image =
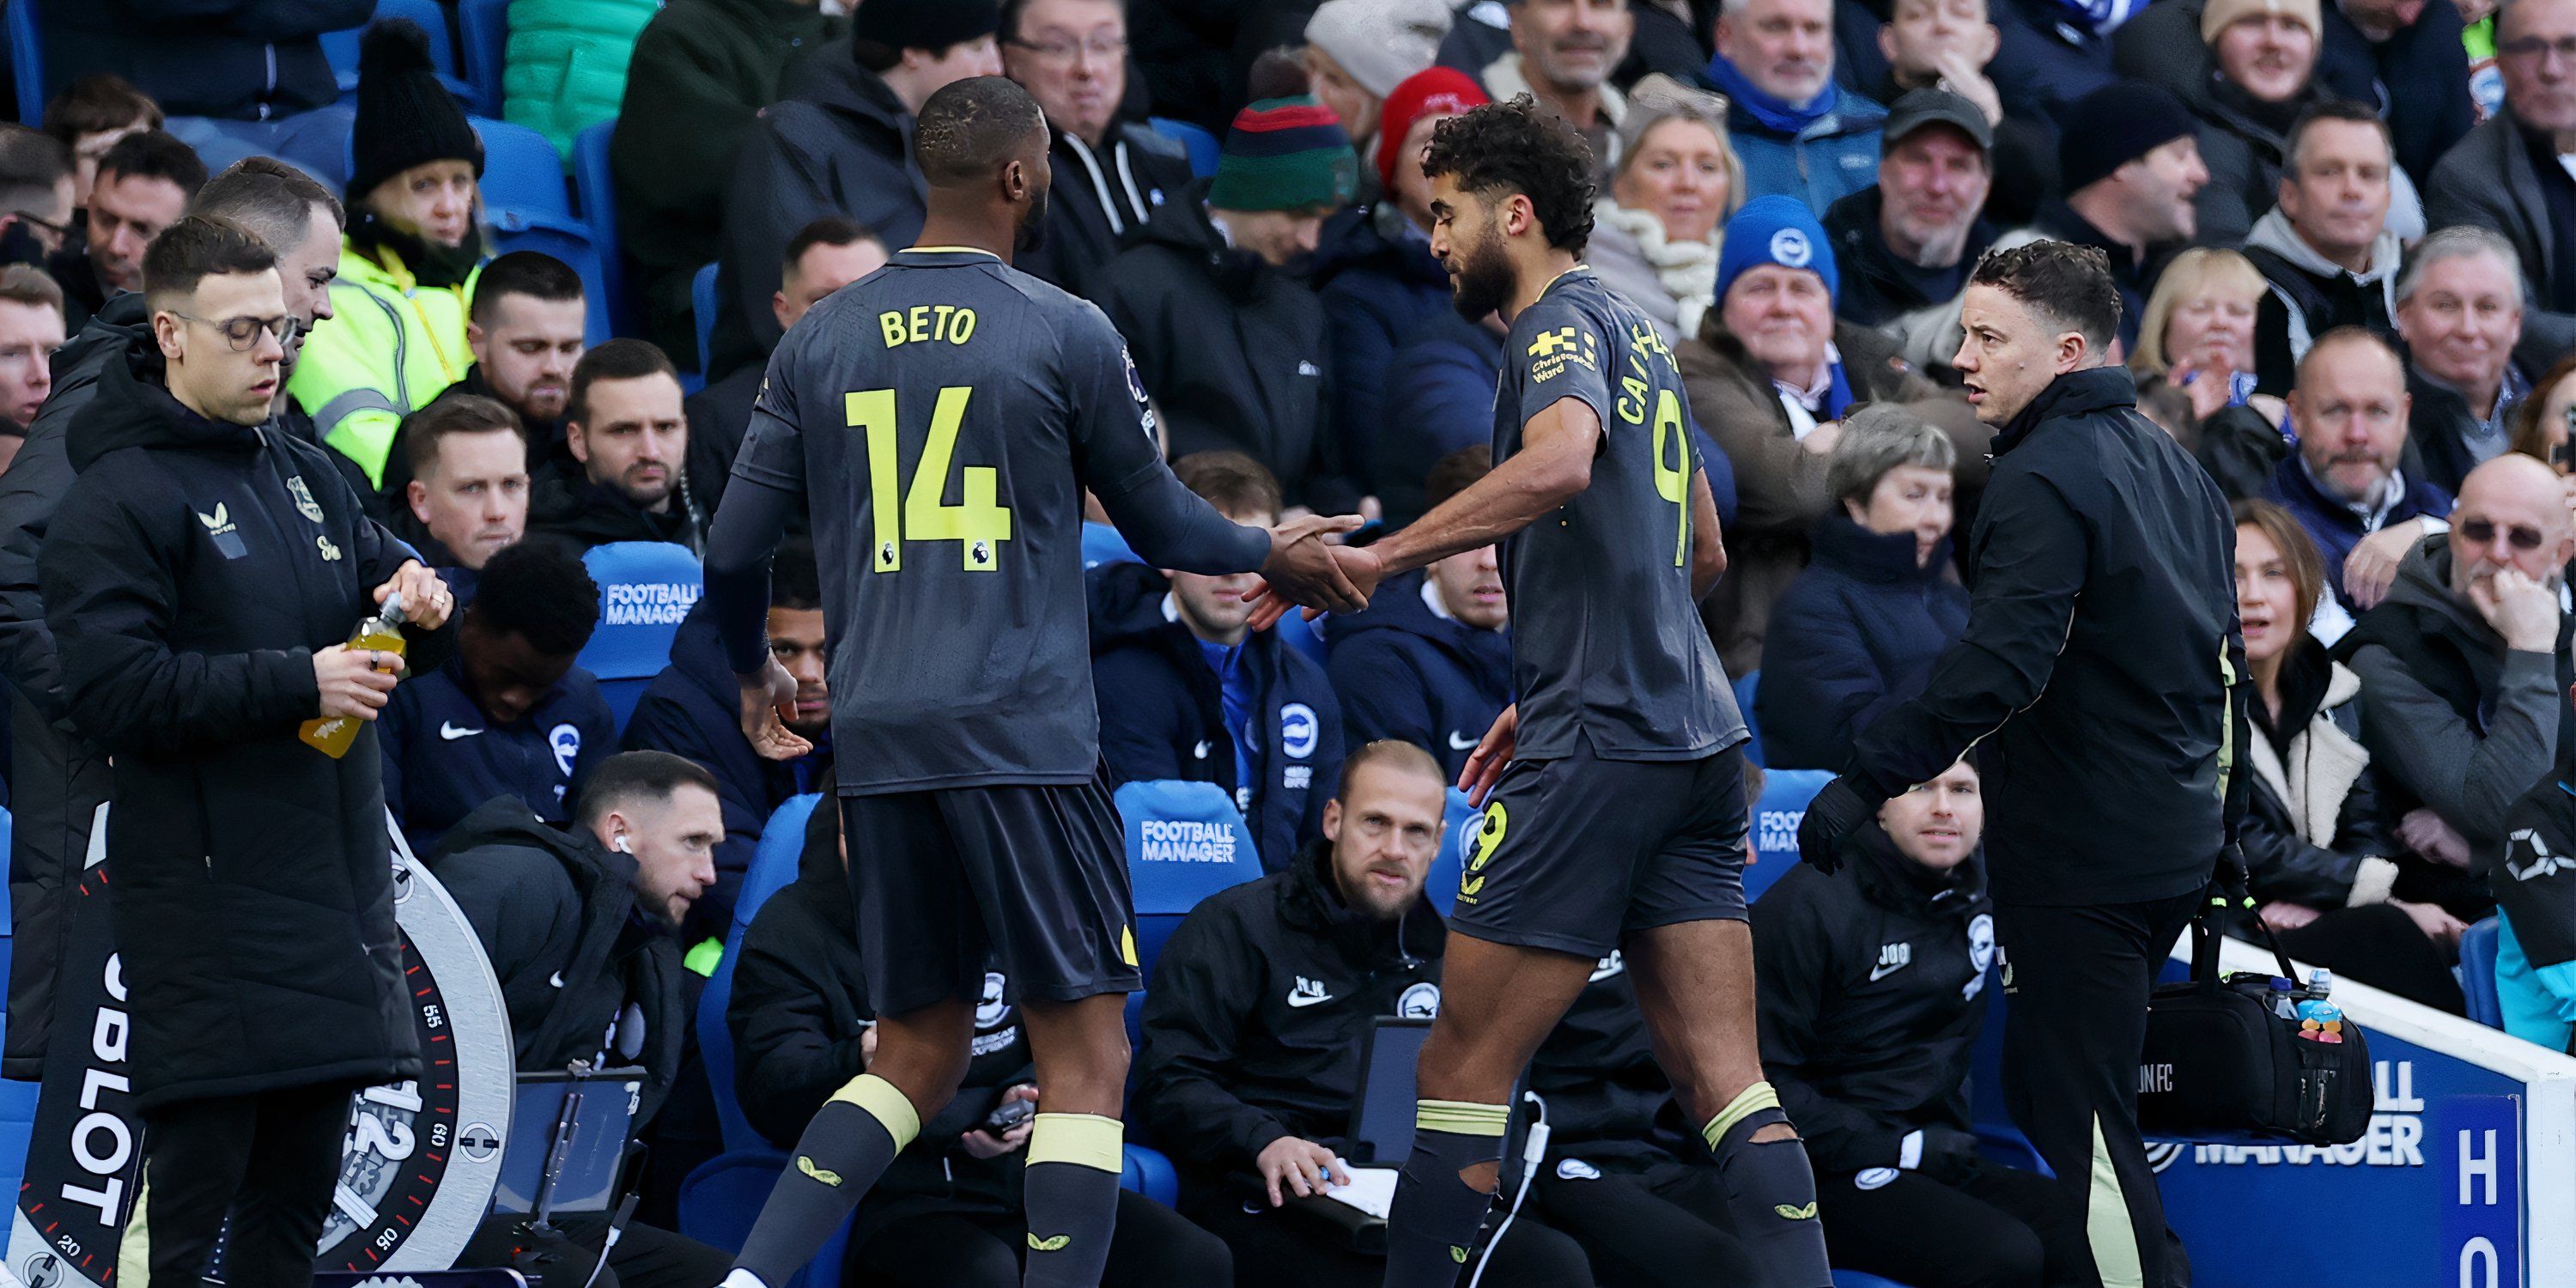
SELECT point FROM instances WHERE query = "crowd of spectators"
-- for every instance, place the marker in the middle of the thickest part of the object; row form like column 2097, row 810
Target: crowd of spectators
column 2348, row 278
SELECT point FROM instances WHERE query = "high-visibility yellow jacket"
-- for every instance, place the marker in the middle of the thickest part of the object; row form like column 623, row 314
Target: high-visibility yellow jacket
column 390, row 347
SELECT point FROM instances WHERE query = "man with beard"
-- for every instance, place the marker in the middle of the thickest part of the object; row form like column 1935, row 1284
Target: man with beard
column 694, row 709
column 1262, row 1004
column 961, row 663
column 144, row 183
column 1906, row 245
column 2345, row 484
column 526, row 332
column 59, row 777
column 2464, row 668
column 2103, row 617
column 577, row 923
column 1613, row 792
column 629, row 437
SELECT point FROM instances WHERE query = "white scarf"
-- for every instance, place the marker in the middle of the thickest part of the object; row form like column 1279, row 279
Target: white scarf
column 1688, row 270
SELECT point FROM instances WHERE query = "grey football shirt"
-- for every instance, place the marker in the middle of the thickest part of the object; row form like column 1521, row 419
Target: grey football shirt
column 1606, row 639
column 943, row 417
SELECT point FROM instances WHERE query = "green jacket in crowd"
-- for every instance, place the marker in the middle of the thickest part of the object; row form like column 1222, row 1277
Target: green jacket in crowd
column 566, row 66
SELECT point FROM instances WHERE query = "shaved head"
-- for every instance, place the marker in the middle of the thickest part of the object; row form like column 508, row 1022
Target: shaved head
column 972, row 128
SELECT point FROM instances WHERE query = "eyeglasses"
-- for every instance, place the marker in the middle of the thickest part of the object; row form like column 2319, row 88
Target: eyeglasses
column 1103, row 48
column 2530, row 47
column 242, row 333
column 2483, row 531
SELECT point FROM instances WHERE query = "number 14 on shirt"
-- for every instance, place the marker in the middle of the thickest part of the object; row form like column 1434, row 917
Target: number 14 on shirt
column 924, row 514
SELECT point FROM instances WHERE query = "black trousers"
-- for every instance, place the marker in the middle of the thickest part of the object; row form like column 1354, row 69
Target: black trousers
column 1152, row 1247
column 1996, row 1227
column 2379, row 946
column 646, row 1256
column 2078, row 978
column 1278, row 1249
column 268, row 1160
column 1665, row 1227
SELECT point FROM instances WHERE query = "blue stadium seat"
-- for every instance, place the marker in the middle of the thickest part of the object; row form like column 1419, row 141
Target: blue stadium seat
column 719, row 1200
column 1855, row 1279
column 1458, row 828
column 26, row 61
column 595, row 186
column 1101, row 544
column 485, row 26
column 645, row 588
column 1201, row 145
column 1744, row 688
column 572, row 242
column 703, row 304
column 521, row 171
column 1184, row 842
column 1785, row 793
column 2478, row 948
column 341, row 47
column 773, row 865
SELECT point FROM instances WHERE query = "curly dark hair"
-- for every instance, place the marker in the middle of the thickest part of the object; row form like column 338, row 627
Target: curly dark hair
column 1502, row 148
column 541, row 592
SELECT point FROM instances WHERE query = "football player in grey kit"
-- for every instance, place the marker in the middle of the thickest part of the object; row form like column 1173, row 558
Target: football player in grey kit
column 944, row 416
column 1613, row 792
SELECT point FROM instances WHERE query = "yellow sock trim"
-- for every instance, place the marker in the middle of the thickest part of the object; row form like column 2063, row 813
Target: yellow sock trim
column 879, row 1099
column 1748, row 1102
column 1085, row 1140
column 1461, row 1117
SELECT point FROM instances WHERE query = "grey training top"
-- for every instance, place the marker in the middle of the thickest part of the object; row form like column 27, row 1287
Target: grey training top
column 943, row 416
column 1606, row 636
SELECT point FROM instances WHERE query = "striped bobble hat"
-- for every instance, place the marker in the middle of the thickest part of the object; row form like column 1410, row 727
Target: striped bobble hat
column 1285, row 154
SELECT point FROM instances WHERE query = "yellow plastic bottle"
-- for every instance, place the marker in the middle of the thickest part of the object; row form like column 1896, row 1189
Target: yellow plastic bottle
column 382, row 632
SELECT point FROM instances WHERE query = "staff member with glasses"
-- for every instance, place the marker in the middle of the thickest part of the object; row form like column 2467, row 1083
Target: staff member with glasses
column 199, row 577
column 2464, row 667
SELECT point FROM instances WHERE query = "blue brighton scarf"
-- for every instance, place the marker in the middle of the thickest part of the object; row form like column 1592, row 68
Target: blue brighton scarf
column 1774, row 113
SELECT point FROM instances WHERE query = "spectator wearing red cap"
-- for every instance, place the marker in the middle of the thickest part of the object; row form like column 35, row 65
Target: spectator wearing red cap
column 1375, row 267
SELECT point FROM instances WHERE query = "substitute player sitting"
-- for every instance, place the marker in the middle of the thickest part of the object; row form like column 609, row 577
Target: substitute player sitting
column 1614, row 801
column 944, row 415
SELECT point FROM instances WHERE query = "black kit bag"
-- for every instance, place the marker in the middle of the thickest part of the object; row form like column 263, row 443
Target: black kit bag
column 2220, row 1067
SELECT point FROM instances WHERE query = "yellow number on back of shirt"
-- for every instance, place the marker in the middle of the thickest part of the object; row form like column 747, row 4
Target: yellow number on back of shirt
column 979, row 521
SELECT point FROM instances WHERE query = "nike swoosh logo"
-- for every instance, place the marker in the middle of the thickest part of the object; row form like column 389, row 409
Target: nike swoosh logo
column 449, row 731
column 1882, row 971
column 1304, row 1000
column 1459, row 742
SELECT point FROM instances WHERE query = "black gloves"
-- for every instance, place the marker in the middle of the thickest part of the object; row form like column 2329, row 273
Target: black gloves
column 1832, row 818
column 1948, row 1154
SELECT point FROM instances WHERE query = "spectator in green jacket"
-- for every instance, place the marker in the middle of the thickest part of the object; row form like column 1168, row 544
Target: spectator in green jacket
column 414, row 249
column 702, row 71
column 565, row 69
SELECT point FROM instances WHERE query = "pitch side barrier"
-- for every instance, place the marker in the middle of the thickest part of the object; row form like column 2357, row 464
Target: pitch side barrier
column 2466, row 1177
